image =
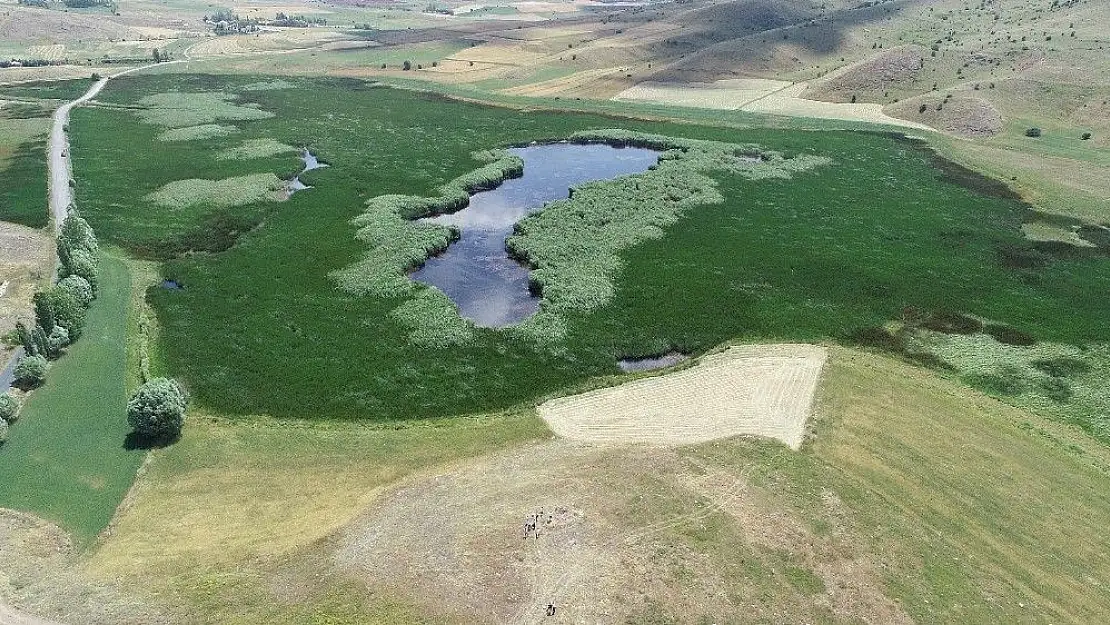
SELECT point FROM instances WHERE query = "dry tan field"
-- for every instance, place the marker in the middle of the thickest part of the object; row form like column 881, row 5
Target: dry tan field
column 594, row 532
column 726, row 95
column 761, row 390
column 26, row 263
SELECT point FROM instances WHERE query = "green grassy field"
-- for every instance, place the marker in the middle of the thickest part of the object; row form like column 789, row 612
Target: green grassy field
column 23, row 130
column 65, row 460
column 260, row 328
column 23, row 186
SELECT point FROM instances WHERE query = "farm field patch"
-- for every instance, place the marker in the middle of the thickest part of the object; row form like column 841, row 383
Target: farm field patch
column 764, row 390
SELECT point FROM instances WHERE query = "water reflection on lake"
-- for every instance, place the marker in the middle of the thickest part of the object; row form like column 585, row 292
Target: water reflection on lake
column 476, row 272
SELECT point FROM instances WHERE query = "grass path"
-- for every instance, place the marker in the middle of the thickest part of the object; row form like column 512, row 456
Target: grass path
column 65, row 460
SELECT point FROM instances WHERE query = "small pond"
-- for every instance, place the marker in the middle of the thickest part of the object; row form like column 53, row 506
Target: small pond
column 310, row 163
column 671, row 359
column 476, row 272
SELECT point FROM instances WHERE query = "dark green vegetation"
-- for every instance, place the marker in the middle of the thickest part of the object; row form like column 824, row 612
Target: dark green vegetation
column 157, row 409
column 65, row 459
column 23, row 186
column 260, row 328
column 47, row 89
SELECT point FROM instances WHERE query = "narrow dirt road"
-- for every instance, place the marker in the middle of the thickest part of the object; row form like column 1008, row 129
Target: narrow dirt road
column 61, row 194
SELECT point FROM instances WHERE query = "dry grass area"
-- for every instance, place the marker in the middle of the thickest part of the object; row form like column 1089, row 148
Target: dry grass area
column 41, row 572
column 961, row 115
column 725, row 95
column 26, row 263
column 761, row 390
column 600, row 534
column 871, row 78
column 771, row 97
column 917, row 500
column 790, row 102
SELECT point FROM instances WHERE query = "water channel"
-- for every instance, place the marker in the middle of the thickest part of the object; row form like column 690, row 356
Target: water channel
column 476, row 272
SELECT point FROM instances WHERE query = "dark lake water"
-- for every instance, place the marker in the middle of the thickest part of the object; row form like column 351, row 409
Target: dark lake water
column 648, row 364
column 476, row 272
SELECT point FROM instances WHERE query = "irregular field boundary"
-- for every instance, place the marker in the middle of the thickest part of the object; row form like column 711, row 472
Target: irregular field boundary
column 762, row 390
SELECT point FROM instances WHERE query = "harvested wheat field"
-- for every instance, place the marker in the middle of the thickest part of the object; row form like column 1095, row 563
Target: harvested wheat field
column 763, row 390
column 790, row 102
column 725, row 95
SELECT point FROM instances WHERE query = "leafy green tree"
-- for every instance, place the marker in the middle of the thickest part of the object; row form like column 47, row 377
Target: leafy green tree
column 31, row 371
column 25, row 339
column 79, row 288
column 38, row 337
column 56, row 342
column 9, row 408
column 84, row 264
column 77, row 234
column 157, row 409
column 3, row 432
column 58, row 307
column 1033, row 132
column 44, row 310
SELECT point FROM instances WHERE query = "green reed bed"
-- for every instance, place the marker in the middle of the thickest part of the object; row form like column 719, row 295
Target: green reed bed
column 264, row 327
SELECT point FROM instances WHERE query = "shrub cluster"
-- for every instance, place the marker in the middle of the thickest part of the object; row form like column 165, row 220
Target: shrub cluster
column 156, row 411
column 573, row 245
column 9, row 412
column 60, row 310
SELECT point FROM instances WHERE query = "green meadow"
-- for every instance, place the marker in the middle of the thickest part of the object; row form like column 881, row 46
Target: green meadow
column 261, row 328
column 66, row 459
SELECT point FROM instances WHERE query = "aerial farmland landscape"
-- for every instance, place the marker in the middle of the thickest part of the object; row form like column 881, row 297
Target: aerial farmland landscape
column 651, row 312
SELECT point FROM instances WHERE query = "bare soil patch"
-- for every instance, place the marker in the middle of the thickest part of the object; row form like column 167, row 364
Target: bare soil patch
column 871, row 77
column 603, row 535
column 763, row 390
column 962, row 115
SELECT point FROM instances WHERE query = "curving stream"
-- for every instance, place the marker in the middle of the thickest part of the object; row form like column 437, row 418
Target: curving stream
column 476, row 272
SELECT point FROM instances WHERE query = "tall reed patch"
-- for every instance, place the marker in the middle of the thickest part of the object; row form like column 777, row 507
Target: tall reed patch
column 224, row 193
column 573, row 246
column 176, row 109
column 399, row 244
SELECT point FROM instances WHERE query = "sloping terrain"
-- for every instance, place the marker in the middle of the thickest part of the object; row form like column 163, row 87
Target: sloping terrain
column 762, row 390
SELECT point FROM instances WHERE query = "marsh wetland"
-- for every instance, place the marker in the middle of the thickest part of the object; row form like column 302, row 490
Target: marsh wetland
column 476, row 271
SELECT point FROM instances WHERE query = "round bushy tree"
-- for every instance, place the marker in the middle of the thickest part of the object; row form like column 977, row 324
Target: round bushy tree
column 3, row 432
column 77, row 234
column 56, row 342
column 79, row 288
column 31, row 371
column 58, row 307
column 157, row 409
column 9, row 408
column 82, row 263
